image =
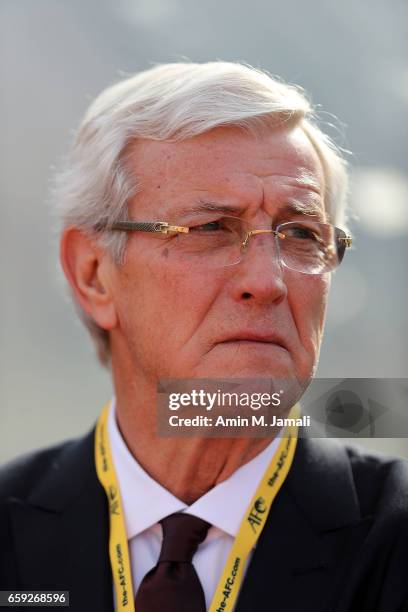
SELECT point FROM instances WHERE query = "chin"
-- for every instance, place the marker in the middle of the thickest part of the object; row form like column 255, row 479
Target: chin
column 250, row 368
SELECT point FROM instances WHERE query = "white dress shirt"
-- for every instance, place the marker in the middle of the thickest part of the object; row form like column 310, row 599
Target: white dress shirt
column 146, row 502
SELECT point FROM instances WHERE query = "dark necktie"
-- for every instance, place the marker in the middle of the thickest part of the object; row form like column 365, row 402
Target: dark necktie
column 173, row 585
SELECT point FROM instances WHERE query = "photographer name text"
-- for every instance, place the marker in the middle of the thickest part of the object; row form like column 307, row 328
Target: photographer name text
column 238, row 421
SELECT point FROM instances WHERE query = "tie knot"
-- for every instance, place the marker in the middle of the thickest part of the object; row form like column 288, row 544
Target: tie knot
column 182, row 533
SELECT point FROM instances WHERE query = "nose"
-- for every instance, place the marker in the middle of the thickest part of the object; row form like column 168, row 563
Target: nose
column 260, row 276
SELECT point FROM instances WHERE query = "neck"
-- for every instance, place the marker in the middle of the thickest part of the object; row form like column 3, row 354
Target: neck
column 187, row 467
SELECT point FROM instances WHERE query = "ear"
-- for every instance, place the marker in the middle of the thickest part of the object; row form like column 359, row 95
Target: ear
column 87, row 268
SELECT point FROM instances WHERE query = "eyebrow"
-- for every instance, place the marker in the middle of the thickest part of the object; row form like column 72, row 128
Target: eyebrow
column 291, row 207
column 209, row 206
column 310, row 208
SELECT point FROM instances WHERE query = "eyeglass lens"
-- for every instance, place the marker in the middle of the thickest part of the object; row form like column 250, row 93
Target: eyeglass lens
column 306, row 246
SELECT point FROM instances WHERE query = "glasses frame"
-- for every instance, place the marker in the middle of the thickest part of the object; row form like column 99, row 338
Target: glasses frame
column 163, row 227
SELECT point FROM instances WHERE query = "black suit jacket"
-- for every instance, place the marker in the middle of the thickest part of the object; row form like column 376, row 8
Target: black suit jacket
column 336, row 539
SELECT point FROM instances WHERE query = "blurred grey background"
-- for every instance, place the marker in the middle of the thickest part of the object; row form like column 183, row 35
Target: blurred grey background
column 57, row 55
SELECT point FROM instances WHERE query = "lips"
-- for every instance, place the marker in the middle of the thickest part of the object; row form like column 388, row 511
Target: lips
column 256, row 337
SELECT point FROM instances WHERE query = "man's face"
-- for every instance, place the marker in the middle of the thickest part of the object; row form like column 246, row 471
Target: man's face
column 177, row 319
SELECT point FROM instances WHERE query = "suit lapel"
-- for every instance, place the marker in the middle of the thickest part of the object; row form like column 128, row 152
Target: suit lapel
column 62, row 530
column 314, row 523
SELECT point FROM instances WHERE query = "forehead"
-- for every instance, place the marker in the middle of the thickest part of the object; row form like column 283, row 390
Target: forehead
column 227, row 165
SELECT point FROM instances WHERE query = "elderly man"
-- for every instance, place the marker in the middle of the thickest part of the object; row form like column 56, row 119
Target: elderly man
column 202, row 214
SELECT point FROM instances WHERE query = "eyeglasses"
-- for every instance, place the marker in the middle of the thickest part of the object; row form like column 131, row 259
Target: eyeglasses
column 304, row 246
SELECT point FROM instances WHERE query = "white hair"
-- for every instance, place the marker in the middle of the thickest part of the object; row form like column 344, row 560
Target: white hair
column 175, row 102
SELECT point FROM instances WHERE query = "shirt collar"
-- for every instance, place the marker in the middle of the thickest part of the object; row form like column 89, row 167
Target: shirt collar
column 146, row 502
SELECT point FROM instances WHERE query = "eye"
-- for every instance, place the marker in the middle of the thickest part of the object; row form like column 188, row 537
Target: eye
column 302, row 232
column 223, row 227
column 211, row 226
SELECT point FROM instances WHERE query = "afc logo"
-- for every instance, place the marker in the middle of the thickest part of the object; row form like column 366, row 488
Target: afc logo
column 113, row 500
column 256, row 517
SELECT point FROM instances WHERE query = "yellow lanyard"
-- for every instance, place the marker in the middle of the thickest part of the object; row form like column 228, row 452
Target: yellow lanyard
column 249, row 531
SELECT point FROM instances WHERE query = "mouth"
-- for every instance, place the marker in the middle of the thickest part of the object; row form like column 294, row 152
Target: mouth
column 260, row 339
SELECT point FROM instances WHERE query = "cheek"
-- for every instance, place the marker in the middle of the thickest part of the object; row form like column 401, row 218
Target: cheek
column 308, row 300
column 162, row 302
